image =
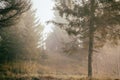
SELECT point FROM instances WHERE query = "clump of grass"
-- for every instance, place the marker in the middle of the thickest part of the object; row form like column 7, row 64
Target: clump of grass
column 19, row 68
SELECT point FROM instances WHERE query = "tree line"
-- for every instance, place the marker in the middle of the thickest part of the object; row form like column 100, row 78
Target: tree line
column 19, row 33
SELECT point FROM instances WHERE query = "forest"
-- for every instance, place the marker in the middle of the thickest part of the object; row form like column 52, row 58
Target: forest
column 79, row 41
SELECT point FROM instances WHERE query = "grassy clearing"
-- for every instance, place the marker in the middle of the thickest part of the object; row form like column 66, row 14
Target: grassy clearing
column 28, row 70
column 48, row 78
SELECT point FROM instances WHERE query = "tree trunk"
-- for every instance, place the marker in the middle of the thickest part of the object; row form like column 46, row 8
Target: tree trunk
column 91, row 39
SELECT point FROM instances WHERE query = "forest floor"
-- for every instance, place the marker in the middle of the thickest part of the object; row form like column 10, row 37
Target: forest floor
column 35, row 71
column 26, row 77
column 40, row 78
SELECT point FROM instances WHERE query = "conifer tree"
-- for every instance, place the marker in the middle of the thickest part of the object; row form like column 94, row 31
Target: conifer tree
column 95, row 20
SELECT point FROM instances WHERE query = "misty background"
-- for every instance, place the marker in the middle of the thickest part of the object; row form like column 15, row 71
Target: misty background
column 44, row 38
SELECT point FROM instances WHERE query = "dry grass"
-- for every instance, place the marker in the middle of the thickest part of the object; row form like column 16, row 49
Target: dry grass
column 48, row 78
column 18, row 68
column 29, row 70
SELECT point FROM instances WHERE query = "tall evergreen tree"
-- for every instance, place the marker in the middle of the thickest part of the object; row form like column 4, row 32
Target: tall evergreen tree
column 20, row 42
column 31, row 34
column 19, row 45
column 10, row 11
column 95, row 20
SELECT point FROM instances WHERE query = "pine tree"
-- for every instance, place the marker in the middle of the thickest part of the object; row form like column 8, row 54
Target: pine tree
column 11, row 11
column 95, row 20
column 31, row 35
column 19, row 45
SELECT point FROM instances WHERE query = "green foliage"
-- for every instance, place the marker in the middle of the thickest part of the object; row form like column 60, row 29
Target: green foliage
column 20, row 41
column 106, row 20
column 19, row 52
column 9, row 42
column 96, row 20
column 10, row 11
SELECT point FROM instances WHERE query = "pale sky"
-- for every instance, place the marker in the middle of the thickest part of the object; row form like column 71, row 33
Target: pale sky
column 44, row 13
column 44, row 9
